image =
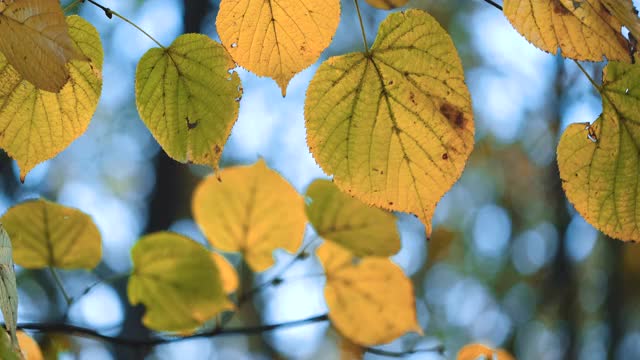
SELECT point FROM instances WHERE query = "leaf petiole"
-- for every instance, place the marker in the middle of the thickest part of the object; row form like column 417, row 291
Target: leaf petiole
column 59, row 284
column 364, row 35
column 110, row 14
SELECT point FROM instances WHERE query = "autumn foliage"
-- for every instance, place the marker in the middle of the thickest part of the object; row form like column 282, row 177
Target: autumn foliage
column 392, row 125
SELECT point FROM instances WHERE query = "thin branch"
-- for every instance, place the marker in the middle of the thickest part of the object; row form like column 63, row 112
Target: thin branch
column 494, row 4
column 438, row 349
column 110, row 14
column 75, row 330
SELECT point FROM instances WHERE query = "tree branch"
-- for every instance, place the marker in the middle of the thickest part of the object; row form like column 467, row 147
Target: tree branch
column 494, row 4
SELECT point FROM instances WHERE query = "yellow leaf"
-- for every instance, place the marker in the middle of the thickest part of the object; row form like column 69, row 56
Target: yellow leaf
column 228, row 274
column 46, row 234
column 583, row 30
column 337, row 217
column 395, row 126
column 624, row 11
column 29, row 347
column 277, row 39
column 188, row 99
column 370, row 301
column 36, row 42
column 479, row 351
column 387, row 4
column 35, row 125
column 600, row 163
column 252, row 210
column 176, row 280
column 8, row 289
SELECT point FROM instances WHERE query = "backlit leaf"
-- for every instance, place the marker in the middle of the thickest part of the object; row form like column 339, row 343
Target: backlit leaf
column 36, row 42
column 600, row 163
column 395, row 133
column 583, row 30
column 177, row 281
column 387, row 4
column 29, row 347
column 362, row 229
column 188, row 99
column 228, row 274
column 35, row 125
column 46, row 234
column 8, row 289
column 252, row 210
column 277, row 39
column 480, row 352
column 370, row 301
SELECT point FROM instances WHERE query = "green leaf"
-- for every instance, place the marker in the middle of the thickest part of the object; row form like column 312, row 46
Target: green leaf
column 337, row 217
column 177, row 281
column 393, row 126
column 37, row 124
column 8, row 289
column 600, row 163
column 188, row 99
column 47, row 234
column 7, row 350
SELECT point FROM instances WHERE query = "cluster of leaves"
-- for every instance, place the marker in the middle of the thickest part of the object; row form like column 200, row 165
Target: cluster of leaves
column 393, row 125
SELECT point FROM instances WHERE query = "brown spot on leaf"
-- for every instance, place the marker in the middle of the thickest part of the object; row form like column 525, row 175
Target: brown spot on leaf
column 453, row 114
column 191, row 125
column 559, row 9
column 445, row 156
column 217, row 149
column 412, row 98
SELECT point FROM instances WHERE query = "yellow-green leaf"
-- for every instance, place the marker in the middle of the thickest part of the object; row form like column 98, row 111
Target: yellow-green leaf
column 228, row 274
column 35, row 125
column 362, row 229
column 394, row 126
column 387, row 4
column 277, row 39
column 370, row 301
column 46, row 234
column 251, row 210
column 600, row 163
column 481, row 352
column 188, row 99
column 7, row 350
column 583, row 30
column 36, row 42
column 29, row 347
column 8, row 288
column 177, row 281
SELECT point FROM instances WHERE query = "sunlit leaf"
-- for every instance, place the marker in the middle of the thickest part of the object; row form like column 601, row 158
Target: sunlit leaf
column 177, row 281
column 348, row 222
column 481, row 352
column 387, row 4
column 35, row 124
column 395, row 126
column 583, row 30
column 370, row 301
column 600, row 163
column 29, row 347
column 228, row 274
column 46, row 234
column 277, row 39
column 8, row 289
column 36, row 42
column 188, row 99
column 251, row 210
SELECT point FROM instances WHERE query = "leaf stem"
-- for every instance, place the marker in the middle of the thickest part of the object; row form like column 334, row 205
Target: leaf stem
column 364, row 35
column 598, row 88
column 110, row 14
column 72, row 5
column 59, row 284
